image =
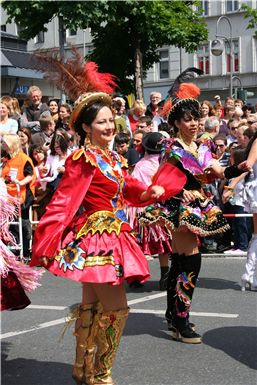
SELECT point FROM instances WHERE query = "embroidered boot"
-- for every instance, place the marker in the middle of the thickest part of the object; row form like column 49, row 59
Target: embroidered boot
column 111, row 325
column 189, row 268
column 85, row 331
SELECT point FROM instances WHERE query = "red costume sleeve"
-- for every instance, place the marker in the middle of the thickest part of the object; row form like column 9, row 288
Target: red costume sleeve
column 132, row 191
column 62, row 208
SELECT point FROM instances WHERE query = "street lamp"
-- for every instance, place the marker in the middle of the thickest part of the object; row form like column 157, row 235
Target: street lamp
column 217, row 47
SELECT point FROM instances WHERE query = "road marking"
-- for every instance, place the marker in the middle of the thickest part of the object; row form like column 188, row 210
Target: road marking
column 40, row 326
column 46, row 307
column 147, row 298
column 197, row 314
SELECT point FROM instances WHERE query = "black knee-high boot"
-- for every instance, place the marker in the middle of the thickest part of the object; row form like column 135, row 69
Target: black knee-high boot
column 189, row 268
column 171, row 289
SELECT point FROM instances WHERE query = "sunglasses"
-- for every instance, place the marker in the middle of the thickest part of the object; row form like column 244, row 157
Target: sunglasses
column 252, row 122
column 220, row 145
column 138, row 126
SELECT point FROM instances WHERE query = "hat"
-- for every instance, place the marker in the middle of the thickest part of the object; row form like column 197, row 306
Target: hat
column 151, row 142
column 86, row 100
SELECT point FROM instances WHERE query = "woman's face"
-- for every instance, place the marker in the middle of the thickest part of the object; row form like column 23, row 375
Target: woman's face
column 38, row 156
column 188, row 126
column 63, row 113
column 204, row 109
column 3, row 110
column 58, row 149
column 53, row 107
column 102, row 129
column 23, row 138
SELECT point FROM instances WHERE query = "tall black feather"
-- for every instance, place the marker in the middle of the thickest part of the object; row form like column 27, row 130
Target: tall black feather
column 186, row 76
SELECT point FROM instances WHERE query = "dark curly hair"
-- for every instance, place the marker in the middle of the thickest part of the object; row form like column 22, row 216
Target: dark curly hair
column 182, row 108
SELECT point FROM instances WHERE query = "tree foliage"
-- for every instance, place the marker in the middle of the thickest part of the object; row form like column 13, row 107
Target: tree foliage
column 118, row 28
column 252, row 14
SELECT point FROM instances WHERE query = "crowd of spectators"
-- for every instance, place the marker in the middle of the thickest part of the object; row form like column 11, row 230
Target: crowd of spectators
column 45, row 137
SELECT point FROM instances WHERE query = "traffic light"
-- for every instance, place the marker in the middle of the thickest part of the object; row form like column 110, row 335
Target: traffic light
column 243, row 94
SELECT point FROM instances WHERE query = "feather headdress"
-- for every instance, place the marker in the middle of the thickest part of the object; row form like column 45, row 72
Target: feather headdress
column 80, row 81
column 182, row 90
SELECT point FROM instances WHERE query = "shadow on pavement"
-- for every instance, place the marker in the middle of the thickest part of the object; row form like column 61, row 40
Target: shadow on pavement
column 21, row 371
column 143, row 323
column 217, row 284
column 239, row 342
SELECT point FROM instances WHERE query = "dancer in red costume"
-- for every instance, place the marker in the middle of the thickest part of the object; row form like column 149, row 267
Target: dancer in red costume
column 97, row 247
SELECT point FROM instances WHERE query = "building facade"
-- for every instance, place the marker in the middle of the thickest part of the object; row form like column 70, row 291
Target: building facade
column 216, row 79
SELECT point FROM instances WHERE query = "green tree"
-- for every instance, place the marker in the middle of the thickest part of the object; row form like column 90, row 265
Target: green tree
column 126, row 34
column 252, row 14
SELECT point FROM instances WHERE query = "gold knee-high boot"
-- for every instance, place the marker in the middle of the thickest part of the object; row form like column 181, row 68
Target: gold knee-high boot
column 111, row 325
column 85, row 331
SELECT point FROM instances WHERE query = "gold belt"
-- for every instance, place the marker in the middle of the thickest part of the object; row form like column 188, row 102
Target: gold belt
column 101, row 221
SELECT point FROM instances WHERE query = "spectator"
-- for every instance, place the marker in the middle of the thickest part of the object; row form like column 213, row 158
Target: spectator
column 42, row 193
column 64, row 117
column 211, row 128
column 206, row 109
column 54, row 109
column 241, row 226
column 122, row 142
column 252, row 121
column 248, row 134
column 121, row 121
column 222, row 154
column 138, row 109
column 229, row 102
column 44, row 137
column 247, row 110
column 145, row 124
column 239, row 103
column 32, row 113
column 59, row 151
column 18, row 170
column 153, row 107
column 13, row 108
column 240, row 136
column 201, row 128
column 25, row 139
column 7, row 125
column 160, row 118
column 137, row 140
column 232, row 126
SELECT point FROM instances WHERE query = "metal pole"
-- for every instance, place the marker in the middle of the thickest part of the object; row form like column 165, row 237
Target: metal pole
column 230, row 41
column 62, row 50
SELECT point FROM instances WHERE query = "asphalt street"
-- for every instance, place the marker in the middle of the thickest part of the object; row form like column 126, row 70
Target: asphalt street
column 35, row 353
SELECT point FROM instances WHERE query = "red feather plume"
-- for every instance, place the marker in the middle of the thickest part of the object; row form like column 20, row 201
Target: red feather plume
column 71, row 75
column 188, row 90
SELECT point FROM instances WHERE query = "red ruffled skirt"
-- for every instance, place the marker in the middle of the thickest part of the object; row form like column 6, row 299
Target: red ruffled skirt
column 100, row 258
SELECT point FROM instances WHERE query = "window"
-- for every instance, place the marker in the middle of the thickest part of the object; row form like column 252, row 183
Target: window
column 203, row 58
column 205, row 7
column 71, row 32
column 3, row 27
column 232, row 5
column 164, row 64
column 235, row 51
column 40, row 38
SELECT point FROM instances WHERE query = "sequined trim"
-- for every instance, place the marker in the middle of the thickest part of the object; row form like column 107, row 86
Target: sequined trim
column 99, row 260
column 101, row 221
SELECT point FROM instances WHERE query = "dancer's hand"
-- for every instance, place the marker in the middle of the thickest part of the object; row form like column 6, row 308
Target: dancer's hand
column 153, row 192
column 188, row 196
